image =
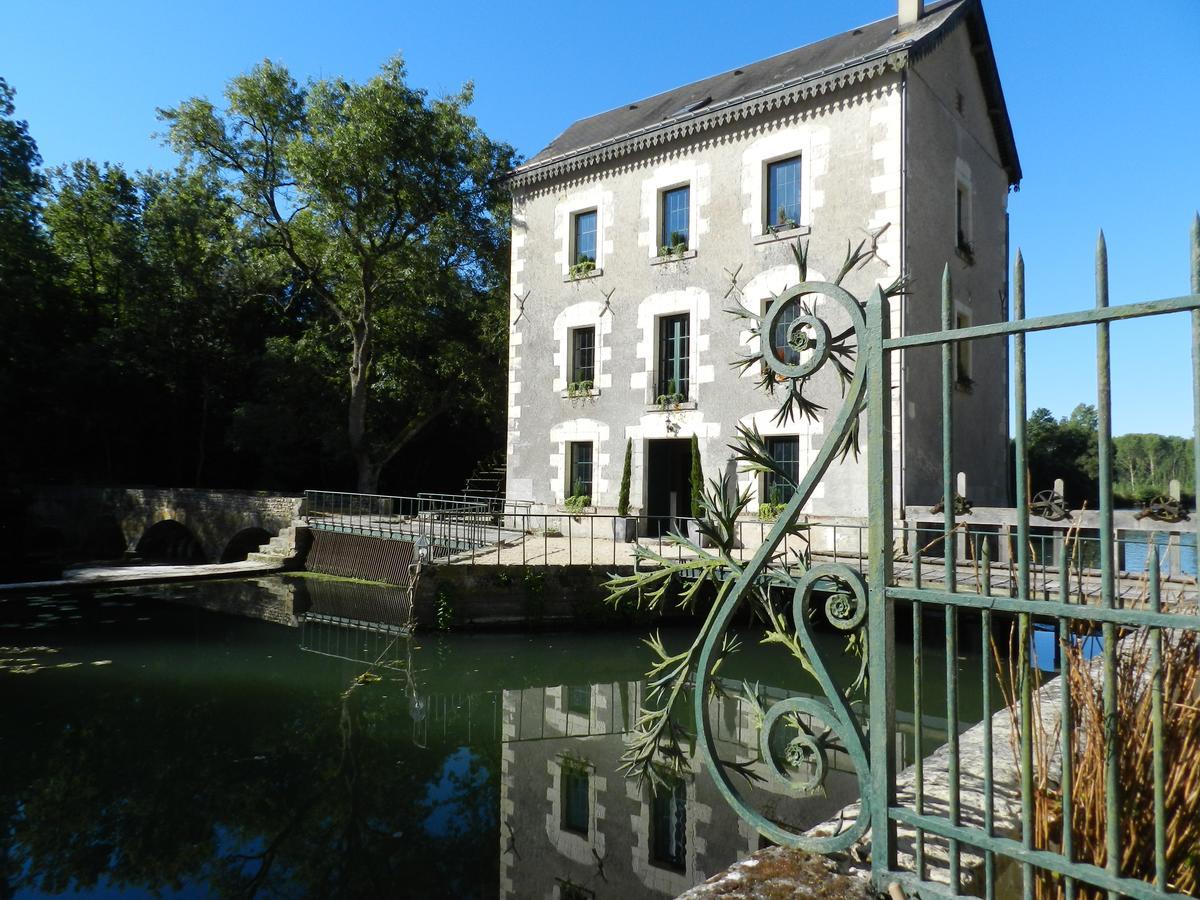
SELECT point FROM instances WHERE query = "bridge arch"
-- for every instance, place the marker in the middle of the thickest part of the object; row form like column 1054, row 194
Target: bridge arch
column 245, row 542
column 171, row 541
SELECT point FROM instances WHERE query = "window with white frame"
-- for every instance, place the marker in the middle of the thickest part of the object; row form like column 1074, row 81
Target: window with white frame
column 962, row 218
column 576, row 806
column 673, row 378
column 583, row 357
column 668, row 824
column 583, row 237
column 579, row 472
column 779, row 486
column 675, row 220
column 784, row 352
column 782, row 194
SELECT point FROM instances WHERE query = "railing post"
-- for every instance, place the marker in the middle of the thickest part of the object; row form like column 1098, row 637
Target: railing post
column 880, row 616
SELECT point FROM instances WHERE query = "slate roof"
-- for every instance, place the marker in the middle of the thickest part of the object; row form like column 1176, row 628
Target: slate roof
column 683, row 109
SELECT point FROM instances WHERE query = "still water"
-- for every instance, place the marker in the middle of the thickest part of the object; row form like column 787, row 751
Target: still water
column 152, row 745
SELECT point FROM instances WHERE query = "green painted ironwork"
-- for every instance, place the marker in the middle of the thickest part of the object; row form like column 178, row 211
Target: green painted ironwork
column 869, row 603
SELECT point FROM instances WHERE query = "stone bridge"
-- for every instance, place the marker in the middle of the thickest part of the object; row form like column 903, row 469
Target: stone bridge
column 161, row 524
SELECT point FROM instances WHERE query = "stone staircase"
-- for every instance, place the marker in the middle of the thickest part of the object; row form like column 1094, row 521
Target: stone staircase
column 487, row 480
column 281, row 550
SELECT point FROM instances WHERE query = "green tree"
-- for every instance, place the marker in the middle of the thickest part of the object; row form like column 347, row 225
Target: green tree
column 697, row 480
column 1065, row 448
column 36, row 323
column 626, row 477
column 390, row 210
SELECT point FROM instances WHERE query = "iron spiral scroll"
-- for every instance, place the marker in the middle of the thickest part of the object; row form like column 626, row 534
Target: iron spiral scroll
column 846, row 607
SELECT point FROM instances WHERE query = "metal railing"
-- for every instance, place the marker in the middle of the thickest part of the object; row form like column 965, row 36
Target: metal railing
column 445, row 525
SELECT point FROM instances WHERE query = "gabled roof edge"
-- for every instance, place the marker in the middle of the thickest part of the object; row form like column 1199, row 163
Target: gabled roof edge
column 989, row 78
column 851, row 71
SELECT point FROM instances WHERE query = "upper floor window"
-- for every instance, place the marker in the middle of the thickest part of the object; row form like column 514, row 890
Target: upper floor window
column 583, row 238
column 674, row 356
column 962, row 352
column 583, row 355
column 676, row 215
column 784, row 352
column 783, row 194
column 962, row 214
column 668, row 824
column 778, row 487
column 576, row 815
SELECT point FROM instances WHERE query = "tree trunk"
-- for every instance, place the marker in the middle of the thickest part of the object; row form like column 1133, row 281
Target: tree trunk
column 360, row 363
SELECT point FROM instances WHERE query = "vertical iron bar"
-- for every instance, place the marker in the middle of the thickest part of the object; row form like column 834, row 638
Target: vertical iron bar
column 881, row 634
column 985, row 629
column 1196, row 393
column 1066, row 728
column 1022, row 503
column 1112, row 824
column 1156, row 717
column 918, row 731
column 918, row 712
column 950, row 571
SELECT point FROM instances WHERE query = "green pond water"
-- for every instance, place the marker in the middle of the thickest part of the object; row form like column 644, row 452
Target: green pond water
column 153, row 745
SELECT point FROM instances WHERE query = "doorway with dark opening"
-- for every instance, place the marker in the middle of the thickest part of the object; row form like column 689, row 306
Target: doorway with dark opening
column 668, row 485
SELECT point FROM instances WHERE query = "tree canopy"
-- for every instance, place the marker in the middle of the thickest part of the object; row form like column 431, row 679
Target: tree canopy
column 318, row 288
column 1068, row 448
column 388, row 210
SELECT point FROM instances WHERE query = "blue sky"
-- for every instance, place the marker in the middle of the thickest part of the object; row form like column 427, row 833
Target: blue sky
column 1101, row 95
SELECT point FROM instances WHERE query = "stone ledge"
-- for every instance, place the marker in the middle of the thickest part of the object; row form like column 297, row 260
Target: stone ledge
column 780, row 872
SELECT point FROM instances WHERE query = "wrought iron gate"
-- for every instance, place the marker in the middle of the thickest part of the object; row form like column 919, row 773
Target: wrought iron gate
column 905, row 832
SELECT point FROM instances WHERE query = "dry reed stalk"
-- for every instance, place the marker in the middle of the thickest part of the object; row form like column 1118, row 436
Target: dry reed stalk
column 1181, row 756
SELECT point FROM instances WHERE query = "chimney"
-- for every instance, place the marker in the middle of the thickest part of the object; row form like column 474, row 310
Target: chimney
column 910, row 12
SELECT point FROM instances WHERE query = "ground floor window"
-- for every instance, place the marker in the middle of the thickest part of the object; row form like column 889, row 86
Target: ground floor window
column 579, row 699
column 579, row 472
column 778, row 487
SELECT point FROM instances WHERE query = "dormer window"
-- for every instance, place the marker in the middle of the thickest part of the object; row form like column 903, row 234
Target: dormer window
column 783, row 194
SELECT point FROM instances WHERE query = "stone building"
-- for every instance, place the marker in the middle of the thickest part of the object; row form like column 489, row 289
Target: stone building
column 626, row 230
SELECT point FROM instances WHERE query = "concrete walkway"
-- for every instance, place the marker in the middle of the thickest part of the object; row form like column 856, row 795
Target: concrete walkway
column 91, row 576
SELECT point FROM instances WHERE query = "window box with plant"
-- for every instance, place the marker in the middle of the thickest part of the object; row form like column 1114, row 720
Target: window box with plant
column 770, row 510
column 581, row 389
column 676, row 247
column 671, row 397
column 578, row 504
column 583, row 269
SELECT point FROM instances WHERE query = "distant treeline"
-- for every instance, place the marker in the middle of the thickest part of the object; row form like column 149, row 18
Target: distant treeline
column 1143, row 464
column 204, row 326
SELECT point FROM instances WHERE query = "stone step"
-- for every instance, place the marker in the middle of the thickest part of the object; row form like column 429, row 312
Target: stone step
column 267, row 559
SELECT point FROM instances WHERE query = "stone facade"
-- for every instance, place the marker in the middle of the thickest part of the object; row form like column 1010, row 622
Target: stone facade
column 885, row 149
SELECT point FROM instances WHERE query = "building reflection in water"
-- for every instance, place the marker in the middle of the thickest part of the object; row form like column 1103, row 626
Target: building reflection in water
column 573, row 826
